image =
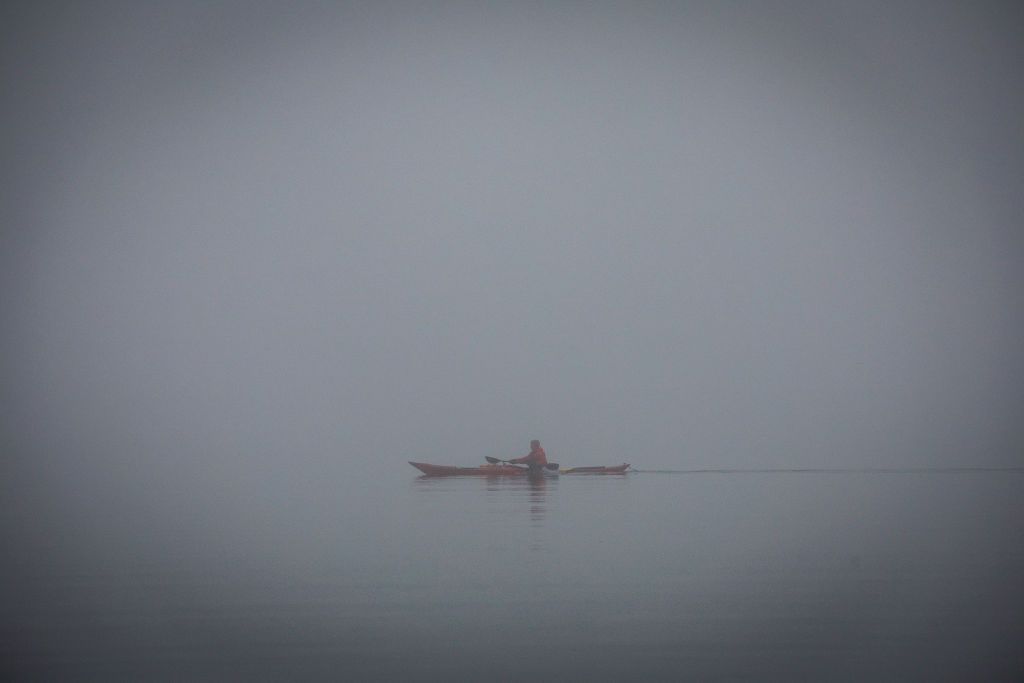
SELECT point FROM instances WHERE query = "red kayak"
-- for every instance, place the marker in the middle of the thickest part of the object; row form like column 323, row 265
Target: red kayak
column 452, row 471
column 506, row 470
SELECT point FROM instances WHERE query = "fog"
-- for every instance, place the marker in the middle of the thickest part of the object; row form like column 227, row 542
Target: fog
column 250, row 249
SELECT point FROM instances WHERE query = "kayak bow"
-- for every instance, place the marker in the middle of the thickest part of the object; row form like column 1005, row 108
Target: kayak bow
column 614, row 469
column 452, row 471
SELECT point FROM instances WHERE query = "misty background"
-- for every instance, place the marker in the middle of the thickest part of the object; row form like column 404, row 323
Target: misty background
column 696, row 234
column 254, row 252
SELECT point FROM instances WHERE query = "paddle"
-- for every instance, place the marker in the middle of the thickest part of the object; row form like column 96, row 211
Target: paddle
column 496, row 461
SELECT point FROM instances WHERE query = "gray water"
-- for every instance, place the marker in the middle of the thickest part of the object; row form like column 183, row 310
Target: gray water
column 650, row 576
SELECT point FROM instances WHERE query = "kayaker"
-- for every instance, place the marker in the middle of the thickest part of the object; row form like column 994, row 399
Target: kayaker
column 535, row 459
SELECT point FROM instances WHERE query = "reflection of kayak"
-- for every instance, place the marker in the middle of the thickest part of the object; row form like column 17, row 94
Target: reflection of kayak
column 507, row 470
column 482, row 470
column 614, row 469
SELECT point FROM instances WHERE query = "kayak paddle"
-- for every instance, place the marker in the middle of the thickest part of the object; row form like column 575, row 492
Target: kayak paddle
column 496, row 461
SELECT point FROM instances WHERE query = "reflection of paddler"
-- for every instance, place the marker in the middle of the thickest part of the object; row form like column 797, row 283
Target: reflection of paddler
column 537, row 485
column 537, row 494
column 536, row 459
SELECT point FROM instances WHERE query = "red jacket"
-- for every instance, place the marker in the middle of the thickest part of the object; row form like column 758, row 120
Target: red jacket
column 537, row 457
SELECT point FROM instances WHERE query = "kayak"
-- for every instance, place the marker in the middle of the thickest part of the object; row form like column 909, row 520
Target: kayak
column 452, row 471
column 613, row 469
column 507, row 470
column 484, row 470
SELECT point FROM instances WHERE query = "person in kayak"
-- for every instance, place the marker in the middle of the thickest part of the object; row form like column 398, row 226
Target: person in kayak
column 535, row 459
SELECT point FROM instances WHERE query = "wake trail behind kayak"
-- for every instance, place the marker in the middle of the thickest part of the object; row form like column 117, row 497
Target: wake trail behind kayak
column 836, row 470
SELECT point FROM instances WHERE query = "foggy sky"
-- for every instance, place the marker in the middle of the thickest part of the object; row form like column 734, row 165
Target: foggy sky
column 252, row 235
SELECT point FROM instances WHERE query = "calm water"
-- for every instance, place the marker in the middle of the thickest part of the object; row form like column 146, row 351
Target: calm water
column 652, row 576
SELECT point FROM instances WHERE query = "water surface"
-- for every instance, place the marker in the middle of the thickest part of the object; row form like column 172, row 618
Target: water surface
column 651, row 576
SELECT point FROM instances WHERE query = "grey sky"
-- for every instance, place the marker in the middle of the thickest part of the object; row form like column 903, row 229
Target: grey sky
column 709, row 234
